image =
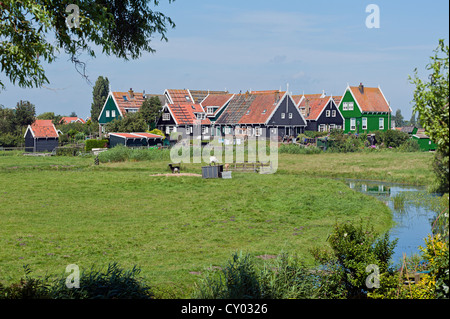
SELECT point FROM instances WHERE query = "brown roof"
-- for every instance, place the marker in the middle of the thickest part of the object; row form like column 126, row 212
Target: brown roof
column 261, row 108
column 184, row 114
column 130, row 99
column 43, row 129
column 217, row 100
column 69, row 119
column 179, row 96
column 370, row 99
column 200, row 95
column 316, row 105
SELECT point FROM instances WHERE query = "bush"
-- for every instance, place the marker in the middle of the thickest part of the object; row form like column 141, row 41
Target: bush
column 296, row 149
column 409, row 145
column 391, row 138
column 27, row 288
column 115, row 283
column 241, row 278
column 353, row 249
column 68, row 150
column 90, row 144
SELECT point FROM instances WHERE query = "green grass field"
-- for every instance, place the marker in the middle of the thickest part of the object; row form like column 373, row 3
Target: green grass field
column 56, row 211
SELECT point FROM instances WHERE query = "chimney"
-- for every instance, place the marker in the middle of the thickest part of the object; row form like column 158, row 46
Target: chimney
column 131, row 93
column 361, row 88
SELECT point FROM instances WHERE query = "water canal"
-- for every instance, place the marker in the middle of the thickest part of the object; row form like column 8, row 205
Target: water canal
column 413, row 213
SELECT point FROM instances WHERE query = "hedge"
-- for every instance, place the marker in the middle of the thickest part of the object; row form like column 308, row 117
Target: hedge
column 90, row 144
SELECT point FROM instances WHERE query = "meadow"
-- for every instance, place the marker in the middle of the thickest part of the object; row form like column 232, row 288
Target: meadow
column 56, row 211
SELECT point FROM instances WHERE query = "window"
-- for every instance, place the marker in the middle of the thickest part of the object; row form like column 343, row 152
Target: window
column 258, row 131
column 133, row 110
column 364, row 123
column 345, row 106
column 283, row 115
column 187, row 98
column 332, row 126
column 248, row 112
column 227, row 130
column 264, row 111
column 125, row 98
column 113, row 113
column 350, row 106
column 290, row 115
column 328, row 113
column 107, row 113
column 204, row 130
column 381, row 123
column 210, row 110
column 322, row 128
column 352, row 124
column 333, row 113
column 166, row 116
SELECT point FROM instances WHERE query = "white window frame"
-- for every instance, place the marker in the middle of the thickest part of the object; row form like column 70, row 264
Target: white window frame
column 381, row 123
column 352, row 124
column 107, row 113
column 166, row 117
column 345, row 106
column 364, row 123
column 283, row 116
column 327, row 113
column 350, row 106
column 113, row 113
column 332, row 126
column 333, row 113
column 290, row 115
column 322, row 128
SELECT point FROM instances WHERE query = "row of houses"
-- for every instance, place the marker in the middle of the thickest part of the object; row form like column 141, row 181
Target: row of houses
column 275, row 112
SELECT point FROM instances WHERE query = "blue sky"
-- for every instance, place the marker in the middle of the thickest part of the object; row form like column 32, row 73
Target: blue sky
column 261, row 45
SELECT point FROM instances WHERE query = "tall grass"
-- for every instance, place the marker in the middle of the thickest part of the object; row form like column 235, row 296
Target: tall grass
column 122, row 153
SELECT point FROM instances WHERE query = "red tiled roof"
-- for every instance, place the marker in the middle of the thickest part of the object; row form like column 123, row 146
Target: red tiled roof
column 180, row 96
column 184, row 114
column 370, row 99
column 261, row 107
column 217, row 100
column 124, row 100
column 69, row 119
column 316, row 105
column 43, row 129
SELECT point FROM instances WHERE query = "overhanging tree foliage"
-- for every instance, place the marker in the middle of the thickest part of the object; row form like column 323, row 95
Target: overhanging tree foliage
column 431, row 99
column 33, row 32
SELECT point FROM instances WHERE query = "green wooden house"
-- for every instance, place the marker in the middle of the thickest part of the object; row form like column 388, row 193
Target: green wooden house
column 365, row 109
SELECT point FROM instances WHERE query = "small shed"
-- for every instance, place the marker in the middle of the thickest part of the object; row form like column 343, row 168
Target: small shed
column 424, row 141
column 134, row 139
column 41, row 136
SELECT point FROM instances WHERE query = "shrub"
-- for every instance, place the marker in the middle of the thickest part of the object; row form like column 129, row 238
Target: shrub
column 27, row 288
column 391, row 138
column 114, row 283
column 68, row 150
column 241, row 278
column 353, row 248
column 90, row 144
column 296, row 149
column 409, row 145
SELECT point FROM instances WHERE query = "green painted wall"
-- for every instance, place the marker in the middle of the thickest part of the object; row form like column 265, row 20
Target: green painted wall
column 372, row 119
column 110, row 106
column 425, row 144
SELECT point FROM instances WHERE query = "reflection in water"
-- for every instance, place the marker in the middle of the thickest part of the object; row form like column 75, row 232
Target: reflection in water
column 411, row 213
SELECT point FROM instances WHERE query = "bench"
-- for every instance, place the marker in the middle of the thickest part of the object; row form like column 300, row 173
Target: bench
column 246, row 166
